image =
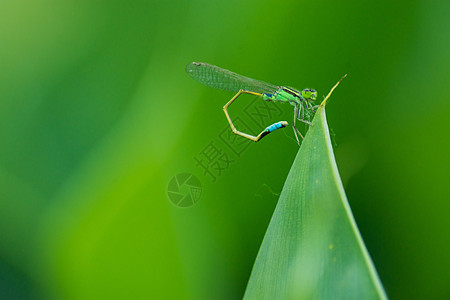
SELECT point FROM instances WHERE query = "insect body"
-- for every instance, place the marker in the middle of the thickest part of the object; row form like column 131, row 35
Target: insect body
column 223, row 79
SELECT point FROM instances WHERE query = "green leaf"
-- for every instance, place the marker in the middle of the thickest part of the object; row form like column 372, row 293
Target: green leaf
column 312, row 248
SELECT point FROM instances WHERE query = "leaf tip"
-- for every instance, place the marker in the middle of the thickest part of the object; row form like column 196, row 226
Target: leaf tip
column 331, row 91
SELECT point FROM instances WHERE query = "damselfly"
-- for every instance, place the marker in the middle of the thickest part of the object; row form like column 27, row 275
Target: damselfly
column 219, row 78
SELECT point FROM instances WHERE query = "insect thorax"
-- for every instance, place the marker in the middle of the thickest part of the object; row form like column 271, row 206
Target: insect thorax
column 284, row 94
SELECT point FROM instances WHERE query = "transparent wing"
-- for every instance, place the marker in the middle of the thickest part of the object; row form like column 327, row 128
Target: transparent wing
column 219, row 78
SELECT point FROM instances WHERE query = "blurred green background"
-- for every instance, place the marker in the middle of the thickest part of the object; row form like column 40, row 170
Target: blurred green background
column 97, row 116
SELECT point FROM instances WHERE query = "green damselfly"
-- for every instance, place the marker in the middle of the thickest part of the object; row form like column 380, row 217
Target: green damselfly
column 223, row 79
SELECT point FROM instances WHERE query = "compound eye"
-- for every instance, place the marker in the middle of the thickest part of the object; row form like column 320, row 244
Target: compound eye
column 306, row 93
